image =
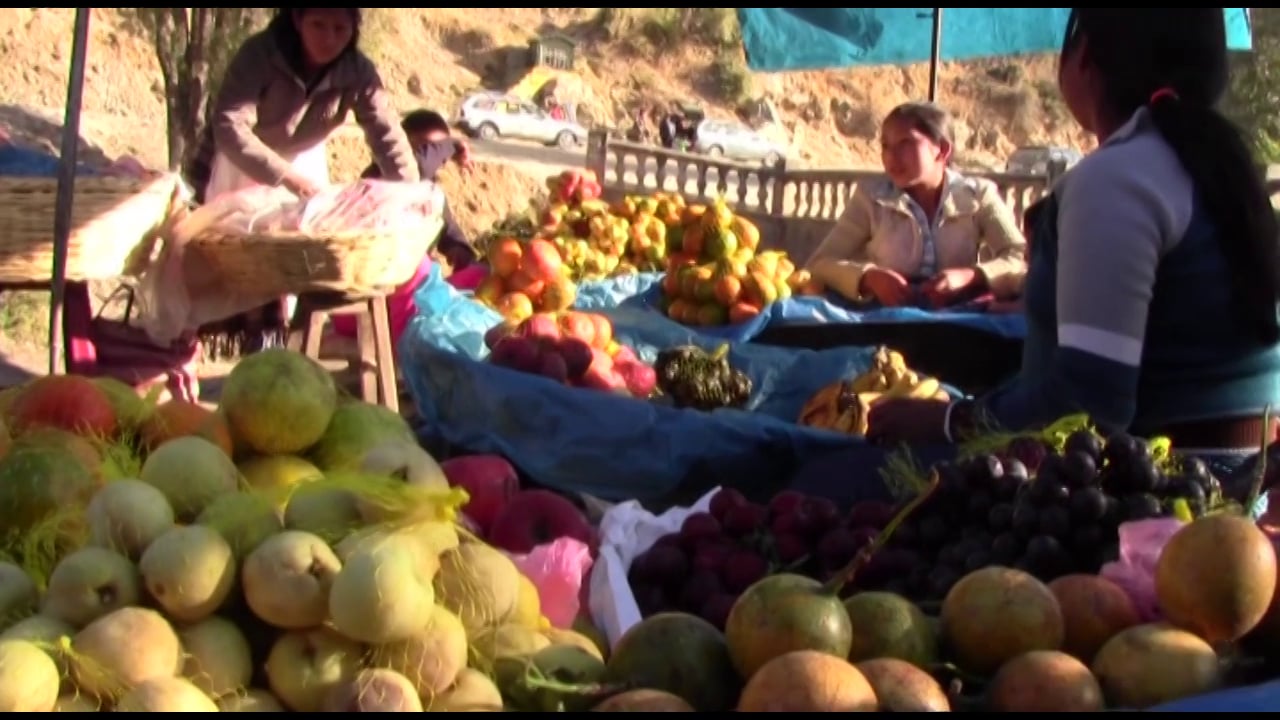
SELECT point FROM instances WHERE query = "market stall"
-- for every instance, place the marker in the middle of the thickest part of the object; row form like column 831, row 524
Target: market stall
column 296, row 550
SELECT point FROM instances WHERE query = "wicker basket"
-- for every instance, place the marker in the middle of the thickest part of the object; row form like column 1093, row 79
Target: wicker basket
column 110, row 218
column 278, row 263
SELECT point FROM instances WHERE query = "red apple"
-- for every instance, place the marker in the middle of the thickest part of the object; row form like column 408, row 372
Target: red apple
column 489, row 480
column 538, row 517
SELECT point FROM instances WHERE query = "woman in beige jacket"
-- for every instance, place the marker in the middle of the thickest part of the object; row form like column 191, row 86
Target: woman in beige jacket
column 923, row 228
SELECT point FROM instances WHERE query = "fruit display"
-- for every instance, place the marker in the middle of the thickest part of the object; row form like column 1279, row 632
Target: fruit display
column 574, row 186
column 715, row 274
column 573, row 348
column 810, row 619
column 597, row 240
column 845, row 405
column 695, row 378
column 524, row 278
column 1049, row 513
column 288, row 551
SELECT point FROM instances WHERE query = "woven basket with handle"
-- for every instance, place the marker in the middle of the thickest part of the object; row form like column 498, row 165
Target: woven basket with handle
column 354, row 263
column 112, row 219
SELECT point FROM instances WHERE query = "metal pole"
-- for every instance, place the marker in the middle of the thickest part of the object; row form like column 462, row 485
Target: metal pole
column 66, row 185
column 935, row 54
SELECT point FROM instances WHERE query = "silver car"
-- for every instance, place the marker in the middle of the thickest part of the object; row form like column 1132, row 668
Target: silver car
column 737, row 142
column 490, row 116
column 1035, row 160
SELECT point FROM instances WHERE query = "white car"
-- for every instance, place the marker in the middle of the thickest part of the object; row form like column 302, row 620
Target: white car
column 490, row 116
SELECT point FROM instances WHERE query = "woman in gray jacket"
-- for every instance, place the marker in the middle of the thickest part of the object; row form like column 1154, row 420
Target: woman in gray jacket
column 287, row 89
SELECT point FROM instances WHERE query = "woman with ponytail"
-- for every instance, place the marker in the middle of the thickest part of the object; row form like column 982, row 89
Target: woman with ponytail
column 1151, row 295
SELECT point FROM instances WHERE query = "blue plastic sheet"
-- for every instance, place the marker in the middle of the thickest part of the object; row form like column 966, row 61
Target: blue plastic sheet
column 643, row 292
column 614, row 447
column 781, row 39
column 1264, row 697
column 21, row 162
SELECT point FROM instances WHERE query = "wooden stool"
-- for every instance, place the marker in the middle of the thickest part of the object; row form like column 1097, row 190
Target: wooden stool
column 374, row 360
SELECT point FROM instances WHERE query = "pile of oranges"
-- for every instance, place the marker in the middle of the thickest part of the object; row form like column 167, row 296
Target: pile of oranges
column 524, row 278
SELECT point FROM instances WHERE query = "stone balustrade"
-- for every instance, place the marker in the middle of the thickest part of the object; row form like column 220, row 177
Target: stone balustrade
column 794, row 208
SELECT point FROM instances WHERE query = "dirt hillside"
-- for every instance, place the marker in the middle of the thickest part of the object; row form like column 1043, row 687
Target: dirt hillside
column 625, row 57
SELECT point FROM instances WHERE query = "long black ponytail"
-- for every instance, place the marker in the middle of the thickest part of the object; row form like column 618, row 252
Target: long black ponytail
column 1174, row 60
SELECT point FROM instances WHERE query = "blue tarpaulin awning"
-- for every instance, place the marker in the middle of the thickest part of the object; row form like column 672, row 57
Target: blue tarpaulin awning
column 781, row 39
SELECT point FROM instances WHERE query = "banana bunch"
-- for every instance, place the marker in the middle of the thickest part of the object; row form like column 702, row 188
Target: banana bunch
column 889, row 377
column 845, row 406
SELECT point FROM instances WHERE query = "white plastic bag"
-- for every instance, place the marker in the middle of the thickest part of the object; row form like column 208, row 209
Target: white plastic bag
column 627, row 530
column 177, row 294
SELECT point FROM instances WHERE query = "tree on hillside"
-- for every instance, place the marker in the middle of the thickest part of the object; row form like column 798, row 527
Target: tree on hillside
column 1255, row 86
column 193, row 47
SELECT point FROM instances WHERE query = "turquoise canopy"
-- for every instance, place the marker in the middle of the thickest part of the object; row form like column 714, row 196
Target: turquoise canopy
column 780, row 39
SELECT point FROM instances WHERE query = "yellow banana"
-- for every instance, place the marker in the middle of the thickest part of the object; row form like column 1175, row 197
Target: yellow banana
column 894, row 377
column 872, row 379
column 942, row 395
column 925, row 388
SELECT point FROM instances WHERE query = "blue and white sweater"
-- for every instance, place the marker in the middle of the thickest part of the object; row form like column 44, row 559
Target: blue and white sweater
column 1129, row 303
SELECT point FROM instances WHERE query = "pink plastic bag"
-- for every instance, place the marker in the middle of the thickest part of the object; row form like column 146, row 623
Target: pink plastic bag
column 557, row 569
column 1141, row 543
column 470, row 277
column 400, row 307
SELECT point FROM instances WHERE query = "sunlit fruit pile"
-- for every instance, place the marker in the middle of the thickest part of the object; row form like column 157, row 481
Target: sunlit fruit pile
column 153, row 564
column 795, row 606
column 715, row 274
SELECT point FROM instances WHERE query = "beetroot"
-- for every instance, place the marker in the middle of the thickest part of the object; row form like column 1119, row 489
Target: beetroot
column 639, row 378
column 711, row 555
column 702, row 586
column 517, row 353
column 537, row 517
column 552, row 367
column 785, row 502
column 664, row 565
column 496, row 333
column 490, row 482
column 724, row 500
column 871, row 513
column 576, row 355
column 542, row 326
column 823, row 512
column 790, row 548
column 744, row 519
column 742, row 570
column 699, row 527
column 716, row 610
column 837, row 548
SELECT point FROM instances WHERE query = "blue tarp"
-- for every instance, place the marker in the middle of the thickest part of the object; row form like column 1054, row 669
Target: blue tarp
column 780, row 39
column 642, row 292
column 1264, row 697
column 619, row 448
column 614, row 447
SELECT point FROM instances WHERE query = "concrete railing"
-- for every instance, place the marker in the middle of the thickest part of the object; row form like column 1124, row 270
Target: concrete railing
column 794, row 208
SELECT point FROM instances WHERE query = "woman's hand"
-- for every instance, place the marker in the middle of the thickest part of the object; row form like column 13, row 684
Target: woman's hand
column 888, row 287
column 907, row 420
column 300, row 186
column 950, row 286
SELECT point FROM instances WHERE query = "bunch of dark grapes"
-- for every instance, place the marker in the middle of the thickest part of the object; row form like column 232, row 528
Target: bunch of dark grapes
column 1046, row 513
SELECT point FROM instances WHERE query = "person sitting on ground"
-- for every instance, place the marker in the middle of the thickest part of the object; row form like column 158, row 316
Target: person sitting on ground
column 925, row 229
column 1154, row 279
column 434, row 146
